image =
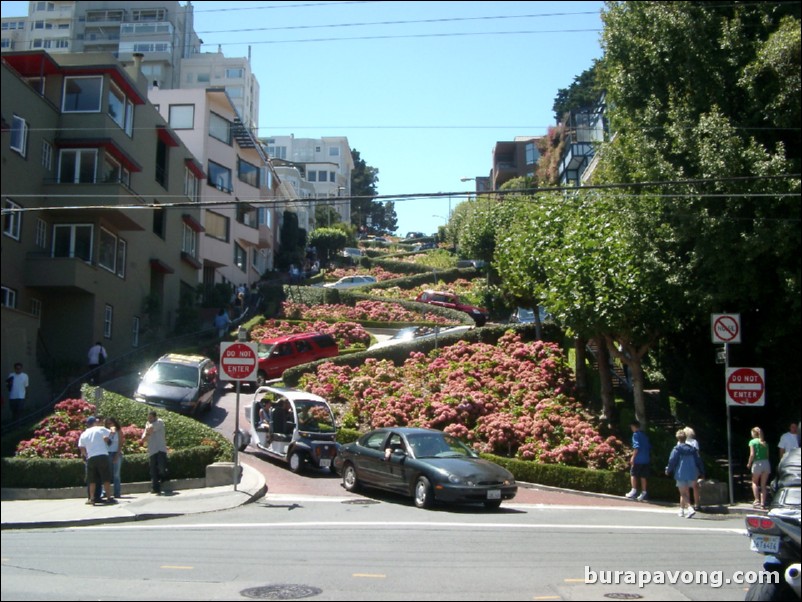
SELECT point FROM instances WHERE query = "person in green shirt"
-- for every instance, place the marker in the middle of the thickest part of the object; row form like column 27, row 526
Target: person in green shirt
column 759, row 463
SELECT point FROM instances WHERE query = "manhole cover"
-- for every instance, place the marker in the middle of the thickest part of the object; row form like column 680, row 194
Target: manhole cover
column 620, row 596
column 360, row 502
column 281, row 591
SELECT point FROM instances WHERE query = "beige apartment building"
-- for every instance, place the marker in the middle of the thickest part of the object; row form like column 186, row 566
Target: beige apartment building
column 83, row 151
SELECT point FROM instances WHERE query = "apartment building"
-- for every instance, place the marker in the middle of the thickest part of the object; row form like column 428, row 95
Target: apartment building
column 92, row 248
column 238, row 186
column 514, row 159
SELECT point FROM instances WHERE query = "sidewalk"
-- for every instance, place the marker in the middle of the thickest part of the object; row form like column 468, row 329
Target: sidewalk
column 71, row 512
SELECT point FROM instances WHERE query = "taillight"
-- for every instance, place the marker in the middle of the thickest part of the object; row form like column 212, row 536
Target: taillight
column 760, row 523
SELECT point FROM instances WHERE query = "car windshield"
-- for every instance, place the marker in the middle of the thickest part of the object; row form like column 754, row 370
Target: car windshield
column 264, row 350
column 176, row 375
column 314, row 417
column 438, row 445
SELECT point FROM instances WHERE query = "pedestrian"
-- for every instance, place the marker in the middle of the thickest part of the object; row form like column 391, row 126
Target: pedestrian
column 17, row 385
column 760, row 466
column 639, row 463
column 685, row 465
column 690, row 439
column 93, row 444
column 789, row 440
column 116, row 443
column 155, row 436
column 96, row 357
column 222, row 323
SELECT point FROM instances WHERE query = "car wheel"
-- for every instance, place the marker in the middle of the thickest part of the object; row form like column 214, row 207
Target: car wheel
column 492, row 504
column 241, row 440
column 350, row 481
column 423, row 493
column 296, row 462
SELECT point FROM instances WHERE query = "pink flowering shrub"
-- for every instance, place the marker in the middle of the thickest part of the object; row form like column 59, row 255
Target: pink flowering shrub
column 347, row 334
column 363, row 311
column 57, row 435
column 510, row 399
column 465, row 289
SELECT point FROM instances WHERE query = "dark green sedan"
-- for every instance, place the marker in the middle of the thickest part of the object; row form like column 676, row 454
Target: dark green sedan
column 425, row 464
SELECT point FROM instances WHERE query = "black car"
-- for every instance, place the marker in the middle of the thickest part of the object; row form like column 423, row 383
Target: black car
column 179, row 383
column 425, row 464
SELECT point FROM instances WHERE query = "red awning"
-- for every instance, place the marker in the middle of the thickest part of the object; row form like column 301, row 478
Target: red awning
column 195, row 167
column 192, row 223
column 167, row 136
column 157, row 265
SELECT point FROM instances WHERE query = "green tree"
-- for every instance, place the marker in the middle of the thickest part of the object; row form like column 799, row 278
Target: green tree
column 364, row 179
column 328, row 242
column 583, row 92
column 326, row 215
column 293, row 242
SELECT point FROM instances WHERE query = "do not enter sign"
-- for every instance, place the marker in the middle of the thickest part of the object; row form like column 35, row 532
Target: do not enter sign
column 238, row 361
column 746, row 387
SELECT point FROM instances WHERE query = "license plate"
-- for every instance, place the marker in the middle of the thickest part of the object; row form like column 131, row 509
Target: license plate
column 494, row 494
column 767, row 544
column 325, row 462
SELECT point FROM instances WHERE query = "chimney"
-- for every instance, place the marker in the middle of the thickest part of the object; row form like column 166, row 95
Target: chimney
column 138, row 56
column 135, row 73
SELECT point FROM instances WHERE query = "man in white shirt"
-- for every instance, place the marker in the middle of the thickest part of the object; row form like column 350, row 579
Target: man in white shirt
column 94, row 446
column 789, row 440
column 17, row 384
column 155, row 436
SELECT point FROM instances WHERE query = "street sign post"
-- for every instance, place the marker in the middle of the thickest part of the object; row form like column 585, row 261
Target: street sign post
column 746, row 387
column 238, row 362
column 726, row 328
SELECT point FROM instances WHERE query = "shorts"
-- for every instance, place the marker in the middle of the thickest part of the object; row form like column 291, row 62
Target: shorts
column 640, row 471
column 761, row 466
column 685, row 484
column 98, row 467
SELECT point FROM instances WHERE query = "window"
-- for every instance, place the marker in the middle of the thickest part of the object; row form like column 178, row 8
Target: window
column 277, row 152
column 532, row 154
column 189, row 241
column 182, row 117
column 9, row 297
column 216, row 226
column 12, row 222
column 312, row 176
column 36, row 308
column 82, row 94
column 121, row 110
column 41, row 233
column 135, row 332
column 334, row 151
column 158, row 222
column 240, row 257
column 107, row 251
column 122, row 249
column 113, row 172
column 62, row 43
column 73, row 240
column 19, row 135
column 235, row 73
column 47, row 155
column 77, row 166
column 247, row 173
column 265, row 216
column 219, row 177
column 332, row 176
column 191, row 186
column 220, row 128
column 322, row 176
column 108, row 317
column 161, row 162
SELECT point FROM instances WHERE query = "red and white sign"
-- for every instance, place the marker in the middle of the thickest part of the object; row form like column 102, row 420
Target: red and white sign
column 746, row 387
column 726, row 328
column 238, row 361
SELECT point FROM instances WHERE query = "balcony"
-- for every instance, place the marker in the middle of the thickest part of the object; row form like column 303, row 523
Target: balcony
column 63, row 273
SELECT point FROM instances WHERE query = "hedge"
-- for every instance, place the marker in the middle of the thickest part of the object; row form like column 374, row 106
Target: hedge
column 47, row 473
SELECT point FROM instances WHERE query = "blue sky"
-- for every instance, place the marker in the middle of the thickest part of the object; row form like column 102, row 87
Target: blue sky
column 422, row 102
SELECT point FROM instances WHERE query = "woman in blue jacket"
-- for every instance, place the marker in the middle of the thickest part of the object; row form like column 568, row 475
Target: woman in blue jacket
column 686, row 466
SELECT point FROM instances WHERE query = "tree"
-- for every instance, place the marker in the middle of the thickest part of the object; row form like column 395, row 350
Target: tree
column 328, row 242
column 364, row 179
column 326, row 215
column 390, row 221
column 292, row 249
column 582, row 93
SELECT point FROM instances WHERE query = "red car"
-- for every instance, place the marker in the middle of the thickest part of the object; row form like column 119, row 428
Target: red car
column 276, row 355
column 451, row 301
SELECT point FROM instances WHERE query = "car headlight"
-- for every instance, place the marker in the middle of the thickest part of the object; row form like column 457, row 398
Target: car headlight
column 455, row 479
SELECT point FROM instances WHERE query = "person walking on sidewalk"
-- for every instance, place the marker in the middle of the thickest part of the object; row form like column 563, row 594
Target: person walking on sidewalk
column 639, row 463
column 155, row 436
column 690, row 439
column 116, row 442
column 760, row 466
column 686, row 466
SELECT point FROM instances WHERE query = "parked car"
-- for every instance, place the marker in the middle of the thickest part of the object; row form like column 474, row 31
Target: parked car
column 352, row 253
column 351, row 281
column 278, row 354
column 452, row 301
column 417, row 333
column 424, row 464
column 292, row 426
column 526, row 315
column 476, row 264
column 179, row 383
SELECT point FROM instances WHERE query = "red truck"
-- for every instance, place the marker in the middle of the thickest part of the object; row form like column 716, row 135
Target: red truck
column 451, row 301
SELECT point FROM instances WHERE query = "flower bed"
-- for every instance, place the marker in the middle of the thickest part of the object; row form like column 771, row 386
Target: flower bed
column 376, row 271
column 465, row 289
column 347, row 334
column 511, row 399
column 363, row 311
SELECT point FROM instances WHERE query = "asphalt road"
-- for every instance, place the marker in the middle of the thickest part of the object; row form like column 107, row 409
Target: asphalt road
column 382, row 550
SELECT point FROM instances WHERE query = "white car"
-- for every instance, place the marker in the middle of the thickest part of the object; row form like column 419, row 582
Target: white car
column 351, row 281
column 418, row 333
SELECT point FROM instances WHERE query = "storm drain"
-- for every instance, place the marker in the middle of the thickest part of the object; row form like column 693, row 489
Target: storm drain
column 281, row 591
column 360, row 502
column 620, row 596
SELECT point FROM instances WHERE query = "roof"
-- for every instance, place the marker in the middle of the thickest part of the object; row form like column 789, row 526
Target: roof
column 287, row 338
column 291, row 394
column 178, row 358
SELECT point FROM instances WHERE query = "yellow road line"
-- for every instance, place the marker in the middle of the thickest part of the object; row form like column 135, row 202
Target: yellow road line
column 369, row 576
column 574, row 580
column 177, row 568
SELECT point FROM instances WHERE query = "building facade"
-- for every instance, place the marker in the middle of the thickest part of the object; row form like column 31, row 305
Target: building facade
column 515, row 159
column 92, row 247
